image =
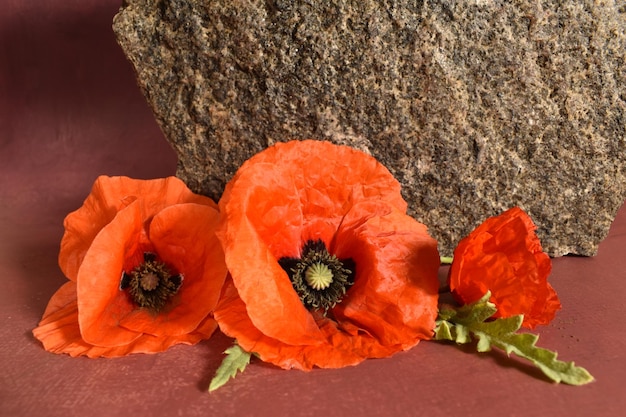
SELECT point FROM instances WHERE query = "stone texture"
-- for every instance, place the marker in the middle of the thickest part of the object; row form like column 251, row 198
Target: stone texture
column 475, row 106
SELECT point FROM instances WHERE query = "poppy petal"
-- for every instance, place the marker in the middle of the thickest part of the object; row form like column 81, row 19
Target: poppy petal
column 339, row 348
column 248, row 211
column 331, row 178
column 395, row 296
column 175, row 233
column 108, row 196
column 101, row 303
column 59, row 332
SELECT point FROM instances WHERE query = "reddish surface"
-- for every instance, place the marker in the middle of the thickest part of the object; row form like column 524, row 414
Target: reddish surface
column 70, row 111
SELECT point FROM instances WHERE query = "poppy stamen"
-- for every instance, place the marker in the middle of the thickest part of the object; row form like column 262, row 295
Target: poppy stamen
column 151, row 284
column 149, row 281
column 319, row 278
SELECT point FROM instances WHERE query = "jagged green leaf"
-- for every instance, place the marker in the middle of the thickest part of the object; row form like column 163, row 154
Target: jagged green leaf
column 460, row 324
column 476, row 312
column 236, row 360
column 443, row 331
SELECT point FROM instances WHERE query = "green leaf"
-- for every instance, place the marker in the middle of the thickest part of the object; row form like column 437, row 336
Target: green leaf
column 236, row 360
column 458, row 324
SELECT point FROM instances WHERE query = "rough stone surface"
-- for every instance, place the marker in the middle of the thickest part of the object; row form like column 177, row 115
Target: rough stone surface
column 475, row 106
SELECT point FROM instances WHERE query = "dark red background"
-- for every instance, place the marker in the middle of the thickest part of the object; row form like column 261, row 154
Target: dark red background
column 70, row 111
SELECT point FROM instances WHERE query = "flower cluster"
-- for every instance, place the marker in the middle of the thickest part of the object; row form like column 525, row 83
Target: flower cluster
column 308, row 260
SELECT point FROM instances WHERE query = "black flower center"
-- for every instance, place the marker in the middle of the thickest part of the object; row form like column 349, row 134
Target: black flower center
column 151, row 284
column 319, row 278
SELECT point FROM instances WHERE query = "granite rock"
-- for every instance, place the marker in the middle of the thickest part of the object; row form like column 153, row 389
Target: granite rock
column 475, row 106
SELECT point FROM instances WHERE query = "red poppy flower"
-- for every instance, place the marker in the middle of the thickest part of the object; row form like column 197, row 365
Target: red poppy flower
column 326, row 267
column 503, row 255
column 145, row 271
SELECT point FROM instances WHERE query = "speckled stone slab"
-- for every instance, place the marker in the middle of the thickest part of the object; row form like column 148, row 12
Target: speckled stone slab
column 475, row 106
